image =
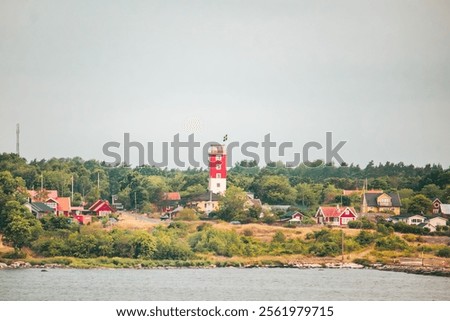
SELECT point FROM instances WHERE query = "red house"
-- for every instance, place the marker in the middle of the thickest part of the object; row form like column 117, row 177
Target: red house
column 170, row 201
column 64, row 206
column 102, row 208
column 335, row 215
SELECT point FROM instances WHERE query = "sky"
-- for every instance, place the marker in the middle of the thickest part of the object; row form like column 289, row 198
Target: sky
column 79, row 74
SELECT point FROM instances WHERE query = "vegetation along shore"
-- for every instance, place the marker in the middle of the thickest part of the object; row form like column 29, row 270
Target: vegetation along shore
column 149, row 231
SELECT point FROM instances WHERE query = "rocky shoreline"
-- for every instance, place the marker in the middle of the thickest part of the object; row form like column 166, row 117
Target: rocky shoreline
column 422, row 270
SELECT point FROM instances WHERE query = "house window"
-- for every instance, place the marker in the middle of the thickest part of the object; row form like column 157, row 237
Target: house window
column 219, row 166
column 384, row 202
column 218, row 184
column 218, row 175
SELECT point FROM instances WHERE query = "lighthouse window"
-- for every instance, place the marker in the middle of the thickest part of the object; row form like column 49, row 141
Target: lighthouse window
column 218, row 166
column 218, row 184
column 218, row 157
column 218, row 175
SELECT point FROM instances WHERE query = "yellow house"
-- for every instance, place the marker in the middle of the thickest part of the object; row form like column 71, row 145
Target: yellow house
column 206, row 203
column 381, row 203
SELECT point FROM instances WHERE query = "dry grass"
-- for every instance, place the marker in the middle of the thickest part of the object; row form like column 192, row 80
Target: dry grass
column 265, row 232
column 129, row 222
column 4, row 248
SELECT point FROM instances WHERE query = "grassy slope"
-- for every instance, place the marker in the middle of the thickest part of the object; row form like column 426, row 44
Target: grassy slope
column 261, row 232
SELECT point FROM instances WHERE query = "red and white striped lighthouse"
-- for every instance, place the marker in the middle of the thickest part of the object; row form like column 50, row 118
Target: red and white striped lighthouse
column 217, row 169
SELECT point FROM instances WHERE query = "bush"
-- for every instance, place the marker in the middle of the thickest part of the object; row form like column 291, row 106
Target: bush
column 14, row 255
column 355, row 224
column 325, row 249
column 362, row 261
column 391, row 243
column 365, row 238
column 279, row 237
column 186, row 214
column 444, row 252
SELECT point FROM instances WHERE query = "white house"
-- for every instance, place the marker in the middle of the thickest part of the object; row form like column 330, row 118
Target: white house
column 414, row 219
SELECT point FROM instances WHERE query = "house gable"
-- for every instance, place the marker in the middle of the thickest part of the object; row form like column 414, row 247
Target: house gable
column 384, row 200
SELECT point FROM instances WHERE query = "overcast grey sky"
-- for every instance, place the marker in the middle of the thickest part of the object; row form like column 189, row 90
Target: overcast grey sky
column 77, row 74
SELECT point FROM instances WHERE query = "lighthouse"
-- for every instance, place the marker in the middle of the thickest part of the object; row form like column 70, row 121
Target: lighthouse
column 217, row 169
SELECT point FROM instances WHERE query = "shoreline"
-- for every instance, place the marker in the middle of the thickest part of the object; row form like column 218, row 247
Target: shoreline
column 420, row 270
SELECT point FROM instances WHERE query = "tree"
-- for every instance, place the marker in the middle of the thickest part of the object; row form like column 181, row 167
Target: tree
column 330, row 193
column 432, row 191
column 308, row 194
column 419, row 204
column 343, row 199
column 232, row 205
column 21, row 228
column 274, row 189
column 11, row 189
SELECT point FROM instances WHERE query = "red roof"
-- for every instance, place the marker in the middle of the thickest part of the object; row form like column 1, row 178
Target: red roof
column 333, row 211
column 172, row 196
column 63, row 204
column 95, row 205
column 51, row 193
column 101, row 205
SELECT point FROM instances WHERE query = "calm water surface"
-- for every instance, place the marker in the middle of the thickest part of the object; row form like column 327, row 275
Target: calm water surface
column 220, row 284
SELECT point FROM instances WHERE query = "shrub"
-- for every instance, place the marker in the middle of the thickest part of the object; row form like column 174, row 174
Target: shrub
column 444, row 252
column 186, row 214
column 391, row 243
column 365, row 238
column 279, row 237
column 325, row 249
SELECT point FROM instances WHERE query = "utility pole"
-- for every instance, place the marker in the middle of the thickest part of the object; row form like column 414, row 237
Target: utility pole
column 342, row 246
column 135, row 202
column 72, row 190
column 98, row 181
column 42, row 182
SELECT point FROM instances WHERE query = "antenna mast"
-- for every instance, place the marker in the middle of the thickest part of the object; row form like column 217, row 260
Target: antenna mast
column 17, row 139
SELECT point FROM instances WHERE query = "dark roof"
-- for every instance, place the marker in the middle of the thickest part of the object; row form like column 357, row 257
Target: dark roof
column 40, row 207
column 290, row 213
column 204, row 197
column 371, row 199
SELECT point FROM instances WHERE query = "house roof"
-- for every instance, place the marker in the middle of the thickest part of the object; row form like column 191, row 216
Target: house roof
column 51, row 193
column 437, row 200
column 205, row 197
column 290, row 214
column 40, row 207
column 172, row 196
column 256, row 202
column 371, row 199
column 440, row 218
column 97, row 205
column 334, row 211
column 445, row 209
column 348, row 192
column 63, row 204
